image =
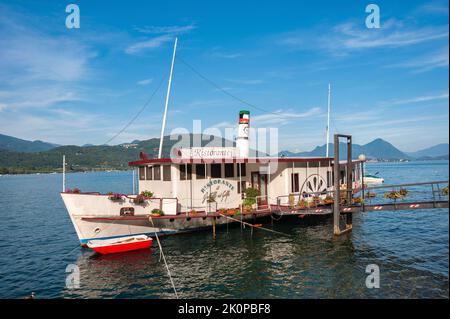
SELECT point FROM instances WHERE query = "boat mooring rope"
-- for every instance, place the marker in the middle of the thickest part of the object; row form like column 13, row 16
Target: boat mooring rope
column 253, row 226
column 164, row 258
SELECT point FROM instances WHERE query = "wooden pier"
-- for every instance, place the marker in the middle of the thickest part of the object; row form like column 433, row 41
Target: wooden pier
column 416, row 196
column 396, row 193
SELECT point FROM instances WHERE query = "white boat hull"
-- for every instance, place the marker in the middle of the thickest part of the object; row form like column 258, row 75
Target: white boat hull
column 96, row 217
column 373, row 180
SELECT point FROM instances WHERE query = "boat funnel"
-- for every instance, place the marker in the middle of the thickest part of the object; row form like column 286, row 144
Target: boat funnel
column 242, row 142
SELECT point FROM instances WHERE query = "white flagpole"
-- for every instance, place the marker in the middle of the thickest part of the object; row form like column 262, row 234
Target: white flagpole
column 167, row 100
column 328, row 119
column 64, row 174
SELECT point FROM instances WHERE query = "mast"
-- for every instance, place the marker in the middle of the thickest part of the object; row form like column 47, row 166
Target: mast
column 328, row 117
column 167, row 100
column 64, row 174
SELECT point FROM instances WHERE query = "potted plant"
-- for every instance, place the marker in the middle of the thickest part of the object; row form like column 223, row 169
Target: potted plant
column 291, row 200
column 193, row 212
column 222, row 211
column 73, row 191
column 371, row 195
column 139, row 199
column 316, row 200
column 115, row 197
column 328, row 200
column 302, row 203
column 157, row 212
column 394, row 195
column 147, row 194
column 403, row 192
column 248, row 204
column 358, row 200
column 231, row 212
column 250, row 197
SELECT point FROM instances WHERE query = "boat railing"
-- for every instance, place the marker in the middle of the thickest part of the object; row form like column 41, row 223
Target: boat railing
column 305, row 200
column 417, row 192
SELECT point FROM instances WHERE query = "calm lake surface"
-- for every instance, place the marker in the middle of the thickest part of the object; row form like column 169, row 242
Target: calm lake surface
column 411, row 248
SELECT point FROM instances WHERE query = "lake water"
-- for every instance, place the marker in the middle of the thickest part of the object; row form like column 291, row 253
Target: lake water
column 411, row 248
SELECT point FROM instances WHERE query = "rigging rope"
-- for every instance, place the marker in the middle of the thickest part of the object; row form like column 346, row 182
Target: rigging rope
column 164, row 258
column 138, row 113
column 253, row 226
column 218, row 87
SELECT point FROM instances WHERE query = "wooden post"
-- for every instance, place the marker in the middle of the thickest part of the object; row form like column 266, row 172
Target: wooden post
column 349, row 180
column 336, row 171
column 214, row 227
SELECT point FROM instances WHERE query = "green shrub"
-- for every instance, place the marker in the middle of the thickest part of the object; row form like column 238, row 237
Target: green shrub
column 147, row 194
column 157, row 211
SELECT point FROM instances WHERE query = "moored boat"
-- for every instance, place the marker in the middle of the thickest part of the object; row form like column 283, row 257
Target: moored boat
column 120, row 245
column 373, row 179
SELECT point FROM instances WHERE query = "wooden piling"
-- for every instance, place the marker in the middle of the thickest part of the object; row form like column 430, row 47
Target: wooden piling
column 336, row 173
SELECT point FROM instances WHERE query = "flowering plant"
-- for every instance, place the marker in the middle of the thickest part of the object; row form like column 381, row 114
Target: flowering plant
column 115, row 196
column 139, row 199
column 73, row 191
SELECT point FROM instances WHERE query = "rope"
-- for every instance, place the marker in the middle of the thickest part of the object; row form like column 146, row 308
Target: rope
column 253, row 226
column 137, row 114
column 218, row 87
column 164, row 259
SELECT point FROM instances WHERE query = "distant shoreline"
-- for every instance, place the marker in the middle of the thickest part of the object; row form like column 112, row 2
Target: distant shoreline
column 25, row 171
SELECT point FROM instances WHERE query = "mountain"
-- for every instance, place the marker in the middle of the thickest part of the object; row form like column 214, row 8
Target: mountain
column 10, row 143
column 100, row 157
column 438, row 150
column 377, row 149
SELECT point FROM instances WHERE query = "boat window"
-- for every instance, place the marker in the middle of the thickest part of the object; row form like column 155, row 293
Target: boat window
column 183, row 175
column 229, row 170
column 149, row 173
column 166, row 173
column 216, row 170
column 157, row 173
column 142, row 173
column 200, row 171
column 243, row 170
column 127, row 211
column 294, row 183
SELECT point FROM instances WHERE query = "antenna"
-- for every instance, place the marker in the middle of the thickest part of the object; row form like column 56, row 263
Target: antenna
column 167, row 100
column 328, row 118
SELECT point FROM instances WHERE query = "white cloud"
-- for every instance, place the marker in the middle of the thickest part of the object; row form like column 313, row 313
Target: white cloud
column 145, row 81
column 283, row 117
column 428, row 62
column 350, row 36
column 165, row 29
column 148, row 44
column 223, row 55
column 417, row 99
column 166, row 34
column 27, row 54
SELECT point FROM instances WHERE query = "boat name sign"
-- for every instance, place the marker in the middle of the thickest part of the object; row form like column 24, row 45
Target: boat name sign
column 208, row 152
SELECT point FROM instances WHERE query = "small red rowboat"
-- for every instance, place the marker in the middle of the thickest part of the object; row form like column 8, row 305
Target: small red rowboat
column 120, row 245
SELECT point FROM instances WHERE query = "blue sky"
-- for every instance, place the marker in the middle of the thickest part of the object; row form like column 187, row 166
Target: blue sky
column 77, row 86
